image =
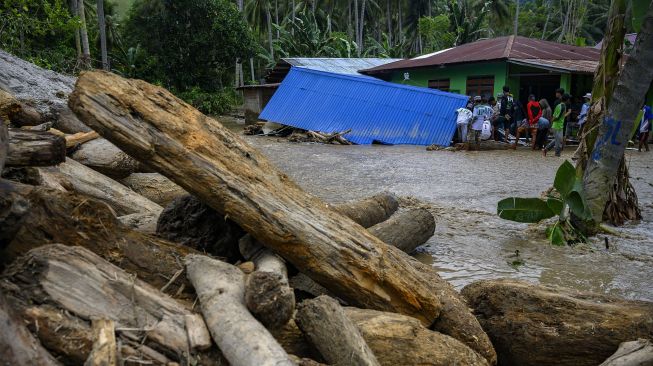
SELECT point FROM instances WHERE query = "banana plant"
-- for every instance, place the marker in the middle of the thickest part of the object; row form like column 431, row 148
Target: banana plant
column 566, row 198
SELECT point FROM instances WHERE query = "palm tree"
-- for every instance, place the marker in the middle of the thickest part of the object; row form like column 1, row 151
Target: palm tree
column 85, row 61
column 103, row 34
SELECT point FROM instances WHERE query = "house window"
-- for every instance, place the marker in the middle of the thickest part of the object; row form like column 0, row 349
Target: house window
column 440, row 84
column 480, row 85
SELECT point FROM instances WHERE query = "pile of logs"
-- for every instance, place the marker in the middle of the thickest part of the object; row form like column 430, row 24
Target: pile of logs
column 241, row 267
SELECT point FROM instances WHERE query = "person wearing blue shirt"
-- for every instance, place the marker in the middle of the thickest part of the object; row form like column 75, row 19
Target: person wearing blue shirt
column 645, row 127
column 582, row 117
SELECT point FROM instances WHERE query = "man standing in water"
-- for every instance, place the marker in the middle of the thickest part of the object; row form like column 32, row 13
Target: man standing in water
column 506, row 114
column 558, row 126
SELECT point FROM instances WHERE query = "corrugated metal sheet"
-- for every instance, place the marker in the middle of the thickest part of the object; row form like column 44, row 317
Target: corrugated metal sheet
column 501, row 48
column 374, row 110
column 576, row 66
column 348, row 66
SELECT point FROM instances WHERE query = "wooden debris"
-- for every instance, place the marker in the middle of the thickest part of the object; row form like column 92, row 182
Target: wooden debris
column 154, row 187
column 635, row 353
column 267, row 293
column 143, row 222
column 319, row 137
column 406, row 229
column 104, row 352
column 220, row 288
column 101, row 290
column 104, row 157
column 540, row 325
column 225, row 172
column 80, row 138
column 40, row 216
column 35, row 148
column 369, row 211
column 324, row 322
column 79, row 178
column 4, row 144
column 40, row 128
column 9, row 106
column 17, row 345
column 254, row 129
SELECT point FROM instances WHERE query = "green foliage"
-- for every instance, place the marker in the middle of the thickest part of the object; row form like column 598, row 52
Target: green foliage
column 191, row 42
column 435, row 33
column 569, row 198
column 211, row 103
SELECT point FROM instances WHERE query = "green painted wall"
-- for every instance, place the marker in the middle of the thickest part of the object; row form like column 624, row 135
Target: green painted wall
column 565, row 82
column 457, row 75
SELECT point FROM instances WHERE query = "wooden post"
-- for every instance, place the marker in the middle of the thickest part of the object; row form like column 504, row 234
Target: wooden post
column 225, row 172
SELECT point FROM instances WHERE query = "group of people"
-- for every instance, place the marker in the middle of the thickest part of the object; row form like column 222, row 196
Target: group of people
column 485, row 119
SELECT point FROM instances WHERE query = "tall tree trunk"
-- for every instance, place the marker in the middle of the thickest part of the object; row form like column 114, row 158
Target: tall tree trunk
column 361, row 29
column 276, row 15
column 389, row 18
column 565, row 23
column 86, row 53
column 78, row 42
column 401, row 25
column 103, row 34
column 269, row 20
column 251, row 67
column 516, row 25
column 548, row 16
column 239, row 66
column 614, row 132
column 356, row 28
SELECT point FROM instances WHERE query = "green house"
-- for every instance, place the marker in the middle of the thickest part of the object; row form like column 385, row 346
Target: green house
column 527, row 66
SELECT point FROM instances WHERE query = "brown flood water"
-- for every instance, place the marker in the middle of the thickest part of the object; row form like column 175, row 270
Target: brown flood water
column 462, row 189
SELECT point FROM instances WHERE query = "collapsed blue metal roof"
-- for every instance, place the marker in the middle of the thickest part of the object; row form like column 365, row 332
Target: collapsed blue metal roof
column 373, row 109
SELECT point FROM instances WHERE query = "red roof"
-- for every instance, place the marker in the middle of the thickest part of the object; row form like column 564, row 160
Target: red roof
column 494, row 49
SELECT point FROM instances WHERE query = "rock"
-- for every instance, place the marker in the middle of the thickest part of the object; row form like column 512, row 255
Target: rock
column 192, row 223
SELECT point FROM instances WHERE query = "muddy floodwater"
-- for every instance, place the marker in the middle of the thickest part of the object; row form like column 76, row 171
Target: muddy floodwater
column 462, row 189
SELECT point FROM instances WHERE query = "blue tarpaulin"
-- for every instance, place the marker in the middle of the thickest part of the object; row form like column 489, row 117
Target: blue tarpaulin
column 374, row 110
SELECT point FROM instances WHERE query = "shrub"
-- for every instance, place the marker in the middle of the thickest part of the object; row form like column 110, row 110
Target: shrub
column 211, row 103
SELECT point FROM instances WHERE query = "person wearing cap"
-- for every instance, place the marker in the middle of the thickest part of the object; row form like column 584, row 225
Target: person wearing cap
column 584, row 110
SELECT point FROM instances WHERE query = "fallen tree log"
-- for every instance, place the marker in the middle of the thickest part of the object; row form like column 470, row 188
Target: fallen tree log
column 154, row 187
column 143, row 222
column 105, row 158
column 225, row 172
column 79, row 178
column 35, row 148
column 242, row 339
column 105, row 350
column 46, row 275
column 4, row 144
column 9, row 106
column 80, row 138
column 635, row 353
column 406, row 229
column 267, row 293
column 324, row 322
column 369, row 211
column 539, row 325
column 45, row 216
column 394, row 339
column 190, row 222
column 17, row 345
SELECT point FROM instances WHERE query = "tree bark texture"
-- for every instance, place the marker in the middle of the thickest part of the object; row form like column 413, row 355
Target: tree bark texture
column 78, row 281
column 34, row 148
column 104, row 157
column 41, row 216
column 369, row 211
column 17, row 345
column 267, row 293
column 4, row 144
column 143, row 222
column 154, row 187
column 539, row 325
column 614, row 132
column 634, row 353
column 104, row 352
column 324, row 322
column 79, row 178
column 242, row 339
column 79, row 138
column 406, row 230
column 207, row 160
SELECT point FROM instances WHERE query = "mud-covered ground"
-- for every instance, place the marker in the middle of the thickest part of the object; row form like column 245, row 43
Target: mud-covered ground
column 462, row 189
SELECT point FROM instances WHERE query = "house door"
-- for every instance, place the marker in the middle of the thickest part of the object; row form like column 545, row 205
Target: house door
column 542, row 86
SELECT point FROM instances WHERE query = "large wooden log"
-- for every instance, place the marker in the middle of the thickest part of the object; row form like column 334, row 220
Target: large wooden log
column 539, row 325
column 104, row 157
column 82, row 179
column 225, row 172
column 35, row 148
column 635, row 353
column 105, row 350
column 242, row 339
column 4, row 144
column 42, row 216
column 324, row 322
column 406, row 230
column 9, row 106
column 154, row 187
column 77, row 280
column 267, row 293
column 369, row 211
column 17, row 345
